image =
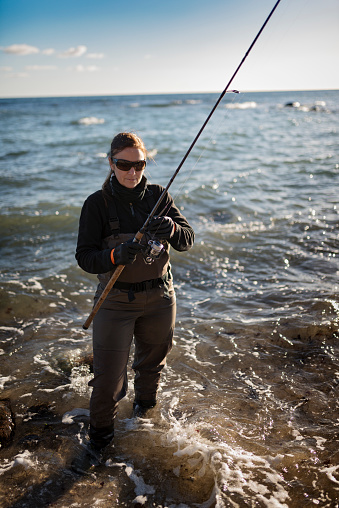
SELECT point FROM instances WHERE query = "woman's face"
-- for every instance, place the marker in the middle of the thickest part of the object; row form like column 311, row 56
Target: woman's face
column 131, row 178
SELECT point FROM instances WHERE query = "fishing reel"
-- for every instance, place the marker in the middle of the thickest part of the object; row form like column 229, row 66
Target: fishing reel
column 153, row 251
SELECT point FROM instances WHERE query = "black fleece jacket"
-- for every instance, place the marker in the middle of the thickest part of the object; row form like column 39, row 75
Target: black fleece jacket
column 94, row 226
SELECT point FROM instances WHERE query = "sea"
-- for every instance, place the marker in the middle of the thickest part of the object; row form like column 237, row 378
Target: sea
column 247, row 414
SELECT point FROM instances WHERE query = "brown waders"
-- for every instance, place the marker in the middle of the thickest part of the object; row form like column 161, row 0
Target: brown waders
column 150, row 318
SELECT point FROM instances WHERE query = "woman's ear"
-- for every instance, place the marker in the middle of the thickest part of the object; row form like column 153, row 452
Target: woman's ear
column 111, row 165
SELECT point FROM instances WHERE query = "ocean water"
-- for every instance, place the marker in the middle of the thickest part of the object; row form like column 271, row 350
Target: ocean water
column 248, row 409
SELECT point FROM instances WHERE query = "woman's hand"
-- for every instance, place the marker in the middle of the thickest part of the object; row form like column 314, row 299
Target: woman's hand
column 162, row 228
column 125, row 253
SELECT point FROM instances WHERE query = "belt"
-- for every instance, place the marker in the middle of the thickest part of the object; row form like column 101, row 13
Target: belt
column 137, row 287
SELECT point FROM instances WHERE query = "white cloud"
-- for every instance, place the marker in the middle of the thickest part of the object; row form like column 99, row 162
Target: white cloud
column 40, row 67
column 18, row 75
column 97, row 56
column 48, row 51
column 6, row 69
column 20, row 49
column 73, row 52
column 88, row 68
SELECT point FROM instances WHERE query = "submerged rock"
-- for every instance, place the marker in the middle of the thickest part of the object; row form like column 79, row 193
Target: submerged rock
column 7, row 422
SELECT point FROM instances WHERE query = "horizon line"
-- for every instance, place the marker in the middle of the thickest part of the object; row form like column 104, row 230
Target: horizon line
column 161, row 93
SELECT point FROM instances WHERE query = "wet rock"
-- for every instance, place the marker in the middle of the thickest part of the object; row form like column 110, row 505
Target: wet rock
column 7, row 422
column 67, row 363
column 41, row 412
column 86, row 360
column 30, row 441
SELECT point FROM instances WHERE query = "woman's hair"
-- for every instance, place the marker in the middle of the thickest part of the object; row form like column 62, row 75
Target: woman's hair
column 126, row 140
column 120, row 142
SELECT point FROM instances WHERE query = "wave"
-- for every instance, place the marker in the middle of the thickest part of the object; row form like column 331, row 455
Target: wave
column 90, row 120
column 18, row 153
column 241, row 105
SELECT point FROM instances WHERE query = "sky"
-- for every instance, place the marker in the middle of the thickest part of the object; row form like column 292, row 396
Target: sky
column 114, row 47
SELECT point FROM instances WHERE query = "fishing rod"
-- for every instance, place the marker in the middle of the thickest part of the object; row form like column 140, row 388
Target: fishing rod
column 139, row 235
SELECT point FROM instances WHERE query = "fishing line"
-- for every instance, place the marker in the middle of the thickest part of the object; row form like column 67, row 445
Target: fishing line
column 139, row 235
column 212, row 136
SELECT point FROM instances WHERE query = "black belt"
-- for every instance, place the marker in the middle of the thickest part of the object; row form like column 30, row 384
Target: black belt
column 137, row 287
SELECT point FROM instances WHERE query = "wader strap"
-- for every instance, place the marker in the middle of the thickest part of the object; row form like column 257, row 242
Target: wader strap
column 114, row 223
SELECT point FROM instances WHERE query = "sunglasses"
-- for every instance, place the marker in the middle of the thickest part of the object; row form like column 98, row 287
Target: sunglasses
column 127, row 165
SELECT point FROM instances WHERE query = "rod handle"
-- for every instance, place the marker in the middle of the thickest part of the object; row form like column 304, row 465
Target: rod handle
column 103, row 295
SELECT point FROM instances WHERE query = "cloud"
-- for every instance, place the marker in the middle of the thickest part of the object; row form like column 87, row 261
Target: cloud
column 97, row 56
column 48, row 51
column 88, row 68
column 73, row 52
column 40, row 67
column 6, row 69
column 18, row 75
column 20, row 49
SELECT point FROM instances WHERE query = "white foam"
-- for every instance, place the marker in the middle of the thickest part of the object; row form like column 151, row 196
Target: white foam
column 39, row 360
column 320, row 441
column 68, row 417
column 22, row 459
column 34, row 284
column 141, row 488
column 140, row 500
column 12, row 329
column 329, row 472
column 80, row 378
column 91, row 120
column 54, row 390
column 4, row 380
column 233, row 467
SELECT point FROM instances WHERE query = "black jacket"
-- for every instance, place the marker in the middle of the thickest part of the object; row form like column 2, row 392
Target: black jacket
column 94, row 226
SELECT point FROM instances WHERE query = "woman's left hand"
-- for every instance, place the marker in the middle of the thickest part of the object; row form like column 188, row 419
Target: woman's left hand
column 162, row 228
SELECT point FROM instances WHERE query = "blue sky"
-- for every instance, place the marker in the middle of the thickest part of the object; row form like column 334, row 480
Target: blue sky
column 105, row 47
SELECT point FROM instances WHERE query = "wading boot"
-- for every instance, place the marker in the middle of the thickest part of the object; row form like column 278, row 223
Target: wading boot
column 91, row 455
column 141, row 407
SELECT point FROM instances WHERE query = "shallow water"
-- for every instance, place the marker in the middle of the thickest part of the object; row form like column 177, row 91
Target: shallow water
column 248, row 409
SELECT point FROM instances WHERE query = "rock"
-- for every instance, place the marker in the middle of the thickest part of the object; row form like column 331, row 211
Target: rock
column 292, row 105
column 7, row 423
column 67, row 363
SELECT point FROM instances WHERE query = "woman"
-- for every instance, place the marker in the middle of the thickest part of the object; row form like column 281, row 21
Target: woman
column 142, row 302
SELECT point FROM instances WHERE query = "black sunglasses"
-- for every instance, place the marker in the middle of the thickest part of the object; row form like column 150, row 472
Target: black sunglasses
column 127, row 165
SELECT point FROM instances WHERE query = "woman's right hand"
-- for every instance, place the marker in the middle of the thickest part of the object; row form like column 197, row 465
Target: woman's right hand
column 125, row 253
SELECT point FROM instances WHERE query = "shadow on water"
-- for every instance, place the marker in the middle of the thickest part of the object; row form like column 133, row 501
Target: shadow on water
column 39, row 471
